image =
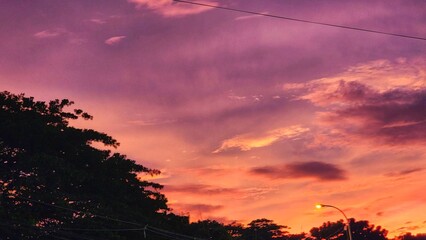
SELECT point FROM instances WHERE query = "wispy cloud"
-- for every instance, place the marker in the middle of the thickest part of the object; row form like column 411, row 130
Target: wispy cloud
column 50, row 33
column 318, row 170
column 210, row 190
column 169, row 8
column 246, row 142
column 98, row 21
column 404, row 172
column 249, row 16
column 114, row 40
column 152, row 122
column 199, row 189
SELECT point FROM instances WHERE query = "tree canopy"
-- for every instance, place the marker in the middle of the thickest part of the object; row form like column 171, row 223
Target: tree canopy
column 52, row 178
column 361, row 230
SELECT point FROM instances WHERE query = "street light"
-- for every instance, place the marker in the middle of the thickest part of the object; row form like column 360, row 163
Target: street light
column 347, row 220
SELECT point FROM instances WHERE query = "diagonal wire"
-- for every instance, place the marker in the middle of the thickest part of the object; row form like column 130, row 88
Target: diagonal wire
column 177, row 234
column 103, row 229
column 303, row 20
column 169, row 236
column 32, row 228
column 79, row 211
column 159, row 231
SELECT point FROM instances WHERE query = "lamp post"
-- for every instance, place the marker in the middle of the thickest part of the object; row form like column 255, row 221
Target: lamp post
column 347, row 220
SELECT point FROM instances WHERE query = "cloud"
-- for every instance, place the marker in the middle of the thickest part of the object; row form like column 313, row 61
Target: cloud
column 114, row 40
column 152, row 122
column 169, row 8
column 207, row 190
column 359, row 81
column 199, row 189
column 394, row 116
column 50, row 33
column 201, row 208
column 383, row 101
column 256, row 193
column 246, row 142
column 379, row 214
column 98, row 21
column 404, row 172
column 319, row 170
column 250, row 16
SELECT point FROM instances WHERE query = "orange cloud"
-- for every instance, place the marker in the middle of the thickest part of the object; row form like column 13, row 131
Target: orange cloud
column 246, row 142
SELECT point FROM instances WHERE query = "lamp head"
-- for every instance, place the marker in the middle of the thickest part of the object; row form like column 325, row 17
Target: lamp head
column 318, row 206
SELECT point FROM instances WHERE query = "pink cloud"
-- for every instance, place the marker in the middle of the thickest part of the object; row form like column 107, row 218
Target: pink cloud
column 114, row 40
column 98, row 21
column 375, row 76
column 50, row 33
column 169, row 8
column 382, row 101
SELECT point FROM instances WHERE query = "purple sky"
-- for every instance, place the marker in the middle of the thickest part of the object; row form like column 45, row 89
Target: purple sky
column 246, row 116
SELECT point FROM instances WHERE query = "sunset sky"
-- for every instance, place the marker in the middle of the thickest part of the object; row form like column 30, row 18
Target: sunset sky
column 246, row 116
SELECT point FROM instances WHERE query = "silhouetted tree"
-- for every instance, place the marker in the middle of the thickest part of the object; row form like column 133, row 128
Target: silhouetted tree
column 235, row 230
column 329, row 230
column 361, row 230
column 299, row 236
column 364, row 230
column 409, row 236
column 209, row 229
column 264, row 229
column 52, row 180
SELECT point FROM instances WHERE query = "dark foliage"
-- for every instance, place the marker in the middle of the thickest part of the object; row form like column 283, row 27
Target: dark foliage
column 361, row 230
column 52, row 179
column 264, row 229
column 409, row 236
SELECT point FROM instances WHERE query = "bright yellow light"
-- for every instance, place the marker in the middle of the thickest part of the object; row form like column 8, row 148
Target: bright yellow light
column 318, row 206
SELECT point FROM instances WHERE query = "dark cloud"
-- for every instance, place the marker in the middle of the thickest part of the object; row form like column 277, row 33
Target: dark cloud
column 404, row 172
column 409, row 228
column 319, row 170
column 395, row 116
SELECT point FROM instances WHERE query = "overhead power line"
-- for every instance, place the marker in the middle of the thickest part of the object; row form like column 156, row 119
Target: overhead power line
column 79, row 211
column 144, row 228
column 302, row 20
